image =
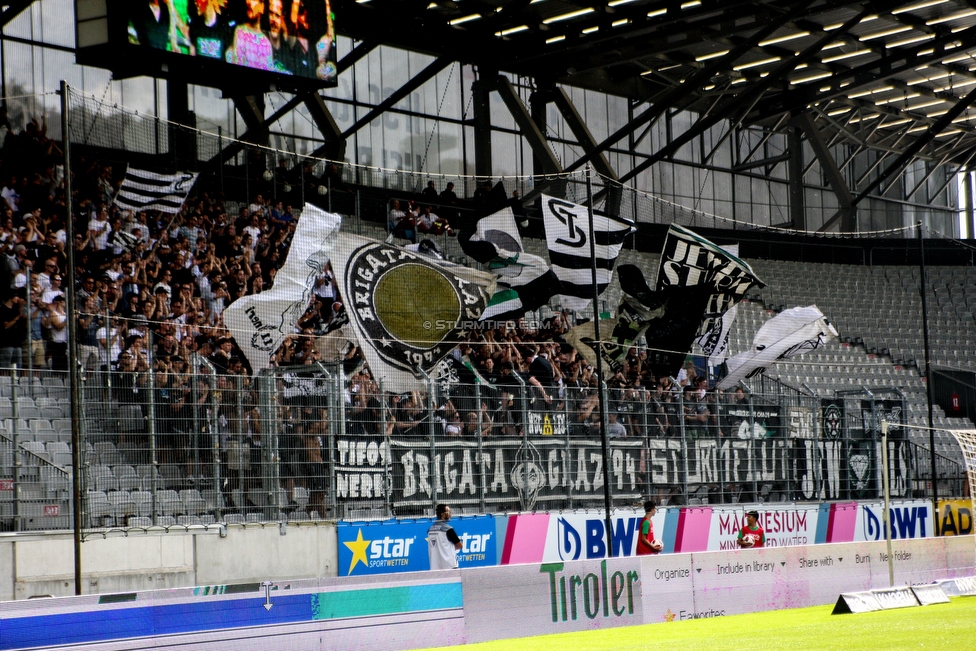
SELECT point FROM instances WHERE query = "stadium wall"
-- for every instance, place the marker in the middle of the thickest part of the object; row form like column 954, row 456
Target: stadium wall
column 35, row 565
column 42, row 564
column 428, row 609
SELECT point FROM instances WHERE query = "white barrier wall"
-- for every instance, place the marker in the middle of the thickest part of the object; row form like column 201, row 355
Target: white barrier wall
column 577, row 596
column 429, row 609
column 44, row 564
column 521, row 600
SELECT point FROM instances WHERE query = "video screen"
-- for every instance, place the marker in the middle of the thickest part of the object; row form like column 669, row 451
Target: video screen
column 288, row 37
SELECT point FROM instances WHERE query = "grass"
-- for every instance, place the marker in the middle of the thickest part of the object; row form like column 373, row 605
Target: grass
column 946, row 627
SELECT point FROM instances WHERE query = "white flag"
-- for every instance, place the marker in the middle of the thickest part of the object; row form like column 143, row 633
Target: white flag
column 568, row 239
column 715, row 342
column 260, row 322
column 408, row 311
column 791, row 332
column 143, row 190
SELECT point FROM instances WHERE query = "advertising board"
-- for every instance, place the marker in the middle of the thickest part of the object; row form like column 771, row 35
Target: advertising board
column 909, row 519
column 401, row 546
column 538, row 599
column 955, row 518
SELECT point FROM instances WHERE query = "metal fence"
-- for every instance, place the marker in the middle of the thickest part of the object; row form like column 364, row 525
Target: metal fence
column 192, row 444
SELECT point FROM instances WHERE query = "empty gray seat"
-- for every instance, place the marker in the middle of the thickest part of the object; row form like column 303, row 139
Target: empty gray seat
column 142, row 501
column 122, row 505
column 98, row 505
column 37, row 452
column 193, row 503
column 107, row 454
column 51, row 413
column 128, row 479
column 168, row 502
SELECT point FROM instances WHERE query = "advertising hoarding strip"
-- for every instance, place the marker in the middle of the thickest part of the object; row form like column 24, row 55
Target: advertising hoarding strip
column 386, row 601
column 525, row 539
column 394, row 546
column 823, row 517
column 670, row 531
column 501, row 533
column 930, row 594
column 207, row 614
column 954, row 518
column 856, row 602
column 843, row 522
column 695, row 526
column 196, row 616
column 399, row 546
column 481, row 604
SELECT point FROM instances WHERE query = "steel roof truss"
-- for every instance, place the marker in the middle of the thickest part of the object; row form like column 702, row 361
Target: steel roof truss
column 750, row 97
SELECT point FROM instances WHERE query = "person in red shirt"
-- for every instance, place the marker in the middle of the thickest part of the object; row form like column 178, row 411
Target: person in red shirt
column 646, row 543
column 752, row 535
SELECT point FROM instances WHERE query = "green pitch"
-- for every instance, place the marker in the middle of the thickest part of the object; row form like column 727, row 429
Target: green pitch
column 945, row 627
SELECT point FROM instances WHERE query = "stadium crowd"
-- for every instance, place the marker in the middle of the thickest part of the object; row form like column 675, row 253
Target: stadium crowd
column 151, row 289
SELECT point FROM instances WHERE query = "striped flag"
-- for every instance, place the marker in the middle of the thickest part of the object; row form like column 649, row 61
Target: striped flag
column 144, row 190
column 567, row 236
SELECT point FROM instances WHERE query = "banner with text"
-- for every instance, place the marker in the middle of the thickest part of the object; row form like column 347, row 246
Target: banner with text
column 401, row 546
column 955, row 518
column 546, row 471
column 529, row 472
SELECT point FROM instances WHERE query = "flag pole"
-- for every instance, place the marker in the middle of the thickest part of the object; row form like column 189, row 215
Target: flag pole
column 929, row 388
column 601, row 385
column 74, row 372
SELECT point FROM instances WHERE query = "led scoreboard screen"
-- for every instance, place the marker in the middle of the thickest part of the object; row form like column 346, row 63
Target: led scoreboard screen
column 221, row 39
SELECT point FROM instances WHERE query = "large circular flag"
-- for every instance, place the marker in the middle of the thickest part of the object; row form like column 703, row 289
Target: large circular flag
column 408, row 310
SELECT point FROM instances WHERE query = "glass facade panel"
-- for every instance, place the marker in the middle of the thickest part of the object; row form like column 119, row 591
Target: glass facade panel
column 429, row 130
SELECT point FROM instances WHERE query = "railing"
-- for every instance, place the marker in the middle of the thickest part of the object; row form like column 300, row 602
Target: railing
column 195, row 445
column 35, row 461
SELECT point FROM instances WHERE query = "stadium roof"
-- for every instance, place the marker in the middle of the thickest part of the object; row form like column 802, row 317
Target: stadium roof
column 893, row 76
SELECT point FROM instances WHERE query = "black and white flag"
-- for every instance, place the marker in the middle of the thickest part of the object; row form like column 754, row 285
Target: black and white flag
column 407, row 310
column 495, row 236
column 144, row 190
column 715, row 342
column 525, row 281
column 791, row 332
column 689, row 259
column 667, row 319
column 675, row 314
column 567, row 236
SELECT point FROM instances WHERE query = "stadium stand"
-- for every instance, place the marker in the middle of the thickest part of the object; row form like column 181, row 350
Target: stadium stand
column 161, row 299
